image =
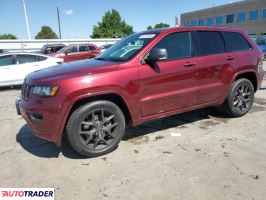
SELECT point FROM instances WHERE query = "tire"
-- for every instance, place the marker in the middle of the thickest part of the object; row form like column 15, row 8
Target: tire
column 96, row 128
column 238, row 104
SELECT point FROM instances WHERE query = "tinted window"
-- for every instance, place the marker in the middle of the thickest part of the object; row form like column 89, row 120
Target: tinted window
column 236, row 42
column 211, row 42
column 20, row 59
column 83, row 48
column 254, row 15
column 241, row 17
column 194, row 22
column 202, row 22
column 72, row 49
column 264, row 14
column 219, row 20
column 41, row 58
column 177, row 45
column 6, row 60
column 92, row 48
column 210, row 21
column 229, row 19
column 186, row 23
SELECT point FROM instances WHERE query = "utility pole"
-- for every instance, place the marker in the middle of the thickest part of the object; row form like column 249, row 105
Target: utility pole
column 26, row 18
column 58, row 20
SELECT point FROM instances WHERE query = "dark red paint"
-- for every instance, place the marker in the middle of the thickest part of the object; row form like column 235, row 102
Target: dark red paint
column 148, row 93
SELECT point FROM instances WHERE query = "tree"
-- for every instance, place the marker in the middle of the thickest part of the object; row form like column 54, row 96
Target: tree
column 7, row 37
column 46, row 33
column 161, row 25
column 111, row 26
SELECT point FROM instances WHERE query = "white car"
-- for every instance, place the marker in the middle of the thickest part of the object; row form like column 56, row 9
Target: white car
column 15, row 66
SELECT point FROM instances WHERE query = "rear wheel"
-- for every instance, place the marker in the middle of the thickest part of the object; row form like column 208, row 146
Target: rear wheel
column 95, row 128
column 240, row 99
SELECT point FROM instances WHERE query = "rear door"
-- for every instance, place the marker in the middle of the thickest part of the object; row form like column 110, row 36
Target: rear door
column 6, row 65
column 72, row 53
column 214, row 69
column 25, row 64
column 171, row 84
column 84, row 52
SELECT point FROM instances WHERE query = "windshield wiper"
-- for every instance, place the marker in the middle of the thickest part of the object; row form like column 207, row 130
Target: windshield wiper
column 108, row 59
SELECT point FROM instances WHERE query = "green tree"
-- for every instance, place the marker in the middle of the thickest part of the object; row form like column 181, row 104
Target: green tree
column 161, row 25
column 7, row 37
column 111, row 26
column 46, row 33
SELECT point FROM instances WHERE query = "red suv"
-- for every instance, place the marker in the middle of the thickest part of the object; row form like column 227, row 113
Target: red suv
column 77, row 52
column 148, row 75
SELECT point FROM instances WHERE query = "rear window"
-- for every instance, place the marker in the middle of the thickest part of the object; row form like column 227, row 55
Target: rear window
column 6, row 60
column 236, row 42
column 210, row 42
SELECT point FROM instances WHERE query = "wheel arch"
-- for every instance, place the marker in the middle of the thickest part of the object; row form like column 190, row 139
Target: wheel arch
column 250, row 75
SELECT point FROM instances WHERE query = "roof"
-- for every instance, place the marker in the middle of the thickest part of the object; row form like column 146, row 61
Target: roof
column 23, row 53
column 193, row 28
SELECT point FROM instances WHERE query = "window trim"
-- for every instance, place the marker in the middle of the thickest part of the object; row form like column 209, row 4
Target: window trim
column 227, row 50
column 198, row 43
column 193, row 45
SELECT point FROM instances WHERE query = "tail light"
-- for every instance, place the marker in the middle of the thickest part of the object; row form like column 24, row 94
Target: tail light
column 260, row 66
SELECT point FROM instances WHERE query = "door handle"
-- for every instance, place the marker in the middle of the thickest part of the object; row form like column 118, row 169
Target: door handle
column 189, row 64
column 229, row 58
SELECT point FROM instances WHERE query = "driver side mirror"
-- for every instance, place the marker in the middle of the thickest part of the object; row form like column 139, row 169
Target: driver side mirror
column 157, row 54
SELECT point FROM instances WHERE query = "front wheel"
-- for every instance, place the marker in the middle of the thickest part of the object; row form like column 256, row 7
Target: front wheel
column 96, row 128
column 240, row 98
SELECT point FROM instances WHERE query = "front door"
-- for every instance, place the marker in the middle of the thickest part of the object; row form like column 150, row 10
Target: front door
column 171, row 84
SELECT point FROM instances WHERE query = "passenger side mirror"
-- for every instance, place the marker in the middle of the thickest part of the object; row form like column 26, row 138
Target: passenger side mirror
column 157, row 54
column 66, row 52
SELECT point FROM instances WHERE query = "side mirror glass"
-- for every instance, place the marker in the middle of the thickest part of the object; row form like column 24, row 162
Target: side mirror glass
column 157, row 54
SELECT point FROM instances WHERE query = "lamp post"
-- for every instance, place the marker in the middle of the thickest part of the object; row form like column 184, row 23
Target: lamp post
column 26, row 18
column 58, row 20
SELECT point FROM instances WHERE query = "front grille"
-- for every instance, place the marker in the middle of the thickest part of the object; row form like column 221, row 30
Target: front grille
column 26, row 91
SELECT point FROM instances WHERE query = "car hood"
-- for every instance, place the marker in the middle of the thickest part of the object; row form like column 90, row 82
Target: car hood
column 72, row 69
column 262, row 47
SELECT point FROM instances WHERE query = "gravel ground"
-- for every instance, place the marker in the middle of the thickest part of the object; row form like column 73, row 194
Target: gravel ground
column 196, row 155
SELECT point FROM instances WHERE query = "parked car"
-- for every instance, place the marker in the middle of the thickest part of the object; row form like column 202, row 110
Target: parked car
column 15, row 66
column 104, row 47
column 77, row 52
column 146, row 76
column 3, row 51
column 262, row 46
column 51, row 48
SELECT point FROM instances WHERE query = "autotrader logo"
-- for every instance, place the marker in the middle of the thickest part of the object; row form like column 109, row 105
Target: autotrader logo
column 27, row 193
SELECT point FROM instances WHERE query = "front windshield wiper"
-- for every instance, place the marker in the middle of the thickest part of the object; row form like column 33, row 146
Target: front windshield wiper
column 108, row 59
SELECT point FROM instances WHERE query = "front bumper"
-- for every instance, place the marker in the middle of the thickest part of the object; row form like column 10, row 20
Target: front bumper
column 44, row 116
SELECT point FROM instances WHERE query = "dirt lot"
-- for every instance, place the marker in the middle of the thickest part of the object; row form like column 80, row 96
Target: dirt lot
column 197, row 155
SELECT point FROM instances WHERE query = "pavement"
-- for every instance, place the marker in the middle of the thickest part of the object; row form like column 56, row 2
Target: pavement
column 198, row 155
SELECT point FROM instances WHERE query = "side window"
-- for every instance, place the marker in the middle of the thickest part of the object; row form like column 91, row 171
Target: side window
column 20, row 59
column 83, row 48
column 210, row 42
column 41, row 58
column 92, row 48
column 72, row 49
column 177, row 45
column 235, row 42
column 6, row 60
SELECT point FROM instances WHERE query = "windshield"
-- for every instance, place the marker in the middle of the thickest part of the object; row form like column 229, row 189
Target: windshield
column 62, row 50
column 261, row 42
column 127, row 48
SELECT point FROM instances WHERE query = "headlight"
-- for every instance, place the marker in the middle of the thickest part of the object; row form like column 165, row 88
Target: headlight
column 45, row 91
